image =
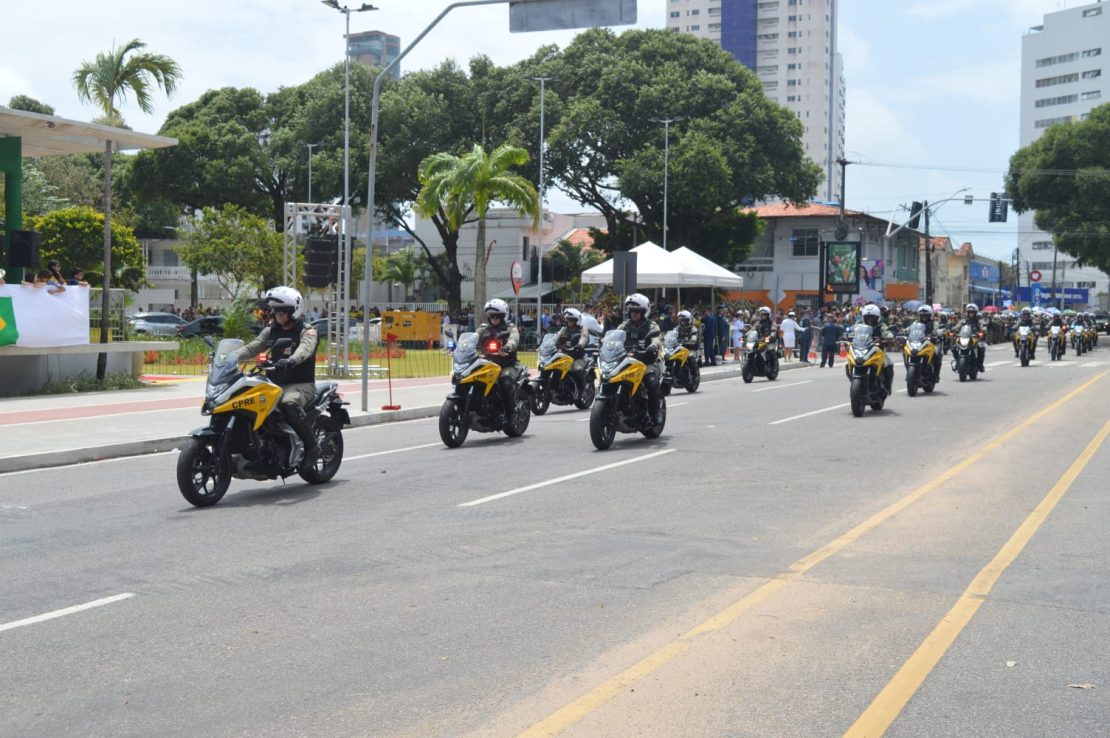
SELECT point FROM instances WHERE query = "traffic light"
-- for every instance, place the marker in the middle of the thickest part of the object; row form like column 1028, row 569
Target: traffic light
column 321, row 262
column 915, row 215
column 999, row 208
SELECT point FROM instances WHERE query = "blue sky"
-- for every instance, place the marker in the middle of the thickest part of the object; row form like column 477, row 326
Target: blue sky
column 930, row 84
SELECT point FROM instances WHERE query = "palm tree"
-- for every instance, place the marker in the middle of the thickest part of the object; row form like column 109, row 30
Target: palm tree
column 571, row 259
column 455, row 187
column 402, row 267
column 106, row 81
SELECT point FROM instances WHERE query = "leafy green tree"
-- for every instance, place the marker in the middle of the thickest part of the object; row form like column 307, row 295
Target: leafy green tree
column 74, row 177
column 39, row 196
column 236, row 246
column 74, row 236
column 453, row 186
column 569, row 260
column 732, row 146
column 30, row 104
column 106, row 81
column 402, row 267
column 1065, row 177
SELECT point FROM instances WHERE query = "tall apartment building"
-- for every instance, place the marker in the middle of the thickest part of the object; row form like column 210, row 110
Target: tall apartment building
column 1064, row 73
column 792, row 46
column 375, row 49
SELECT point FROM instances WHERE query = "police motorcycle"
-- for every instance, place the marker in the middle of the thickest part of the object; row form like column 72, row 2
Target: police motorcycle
column 1026, row 341
column 1078, row 341
column 966, row 354
column 475, row 403
column 555, row 383
column 919, row 354
column 1057, row 342
column 761, row 358
column 247, row 437
column 680, row 365
column 866, row 370
column 622, row 402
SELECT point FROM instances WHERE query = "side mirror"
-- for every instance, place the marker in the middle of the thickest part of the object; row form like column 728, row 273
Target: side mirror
column 281, row 344
column 208, row 339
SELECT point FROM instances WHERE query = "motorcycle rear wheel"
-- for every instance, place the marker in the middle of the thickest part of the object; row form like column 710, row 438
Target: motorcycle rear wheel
column 521, row 419
column 202, row 477
column 541, row 400
column 656, row 430
column 603, row 426
column 911, row 380
column 453, row 428
column 855, row 394
column 773, row 370
column 329, row 435
column 586, row 396
column 695, row 379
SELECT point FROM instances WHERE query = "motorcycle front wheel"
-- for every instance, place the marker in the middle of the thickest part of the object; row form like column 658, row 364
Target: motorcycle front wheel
column 329, row 435
column 747, row 373
column 911, row 380
column 202, row 476
column 855, row 394
column 694, row 381
column 521, row 418
column 603, row 426
column 961, row 369
column 453, row 427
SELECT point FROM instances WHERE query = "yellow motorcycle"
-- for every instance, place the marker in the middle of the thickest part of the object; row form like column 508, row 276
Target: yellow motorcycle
column 866, row 371
column 622, row 403
column 475, row 403
column 1025, row 344
column 919, row 354
column 247, row 437
column 680, row 366
column 555, row 384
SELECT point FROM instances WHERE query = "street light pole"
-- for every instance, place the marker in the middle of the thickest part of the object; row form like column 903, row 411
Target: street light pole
column 310, row 147
column 543, row 80
column 666, row 165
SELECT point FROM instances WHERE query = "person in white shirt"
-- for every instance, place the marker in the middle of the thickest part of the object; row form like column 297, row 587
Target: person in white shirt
column 737, row 335
column 789, row 336
column 589, row 322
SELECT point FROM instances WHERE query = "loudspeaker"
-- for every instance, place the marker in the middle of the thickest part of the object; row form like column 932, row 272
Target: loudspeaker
column 24, row 251
column 321, row 262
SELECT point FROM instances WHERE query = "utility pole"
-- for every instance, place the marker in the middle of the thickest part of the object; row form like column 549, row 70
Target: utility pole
column 543, row 80
column 666, row 164
column 928, row 258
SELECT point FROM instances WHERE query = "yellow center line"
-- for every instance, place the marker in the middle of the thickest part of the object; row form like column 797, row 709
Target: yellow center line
column 890, row 702
column 568, row 715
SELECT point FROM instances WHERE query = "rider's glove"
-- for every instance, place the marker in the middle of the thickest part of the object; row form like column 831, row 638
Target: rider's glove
column 283, row 363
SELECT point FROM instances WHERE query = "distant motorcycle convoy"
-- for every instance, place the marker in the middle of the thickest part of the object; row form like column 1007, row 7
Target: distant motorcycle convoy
column 622, row 377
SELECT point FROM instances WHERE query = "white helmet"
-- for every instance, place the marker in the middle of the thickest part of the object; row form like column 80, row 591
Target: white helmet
column 971, row 306
column 926, row 310
column 496, row 306
column 872, row 309
column 637, row 301
column 285, row 297
column 766, row 311
column 573, row 314
column 685, row 315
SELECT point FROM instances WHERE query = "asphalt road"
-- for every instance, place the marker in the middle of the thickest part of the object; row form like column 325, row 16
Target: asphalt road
column 770, row 566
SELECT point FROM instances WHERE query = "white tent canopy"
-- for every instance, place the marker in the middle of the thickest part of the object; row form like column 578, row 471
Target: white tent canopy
column 654, row 268
column 705, row 271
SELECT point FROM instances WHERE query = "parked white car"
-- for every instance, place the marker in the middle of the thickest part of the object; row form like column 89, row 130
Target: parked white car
column 155, row 324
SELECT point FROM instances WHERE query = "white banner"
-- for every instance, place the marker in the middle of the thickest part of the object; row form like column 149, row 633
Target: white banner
column 49, row 320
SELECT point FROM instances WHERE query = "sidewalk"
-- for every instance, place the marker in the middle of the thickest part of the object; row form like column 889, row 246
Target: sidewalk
column 54, row 430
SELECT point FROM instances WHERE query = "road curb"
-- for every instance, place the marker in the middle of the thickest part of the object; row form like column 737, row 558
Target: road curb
column 68, row 457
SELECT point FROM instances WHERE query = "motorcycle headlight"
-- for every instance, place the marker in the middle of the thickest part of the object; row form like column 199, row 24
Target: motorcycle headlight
column 608, row 367
column 965, row 341
column 215, row 390
column 750, row 346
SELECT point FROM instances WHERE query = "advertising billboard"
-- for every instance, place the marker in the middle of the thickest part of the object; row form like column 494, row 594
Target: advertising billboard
column 842, row 261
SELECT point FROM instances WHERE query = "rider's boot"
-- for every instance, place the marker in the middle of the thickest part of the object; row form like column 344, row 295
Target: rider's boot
column 294, row 415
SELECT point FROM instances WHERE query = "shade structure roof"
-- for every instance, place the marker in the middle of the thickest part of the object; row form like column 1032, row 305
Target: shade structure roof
column 654, row 268
column 709, row 273
column 49, row 135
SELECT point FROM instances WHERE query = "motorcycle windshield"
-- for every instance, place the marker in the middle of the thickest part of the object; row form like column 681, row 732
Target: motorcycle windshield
column 917, row 333
column 965, row 332
column 612, row 346
column 547, row 348
column 1023, row 331
column 225, row 361
column 862, row 337
column 753, row 336
column 670, row 341
column 466, row 349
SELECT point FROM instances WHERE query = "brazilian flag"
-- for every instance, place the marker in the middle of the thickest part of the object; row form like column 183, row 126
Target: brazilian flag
column 8, row 332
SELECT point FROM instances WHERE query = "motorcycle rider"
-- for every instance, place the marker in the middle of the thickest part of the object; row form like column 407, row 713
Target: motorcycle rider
column 766, row 327
column 687, row 331
column 971, row 318
column 872, row 317
column 496, row 326
column 573, row 338
column 925, row 317
column 593, row 328
column 1025, row 319
column 647, row 342
column 295, row 370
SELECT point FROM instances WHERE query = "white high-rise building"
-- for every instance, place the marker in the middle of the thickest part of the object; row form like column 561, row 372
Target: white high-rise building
column 792, row 46
column 1064, row 73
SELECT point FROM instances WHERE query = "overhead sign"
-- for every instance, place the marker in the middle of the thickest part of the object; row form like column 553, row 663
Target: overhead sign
column 516, row 274
column 842, row 262
column 1035, row 275
column 561, row 15
column 624, row 272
